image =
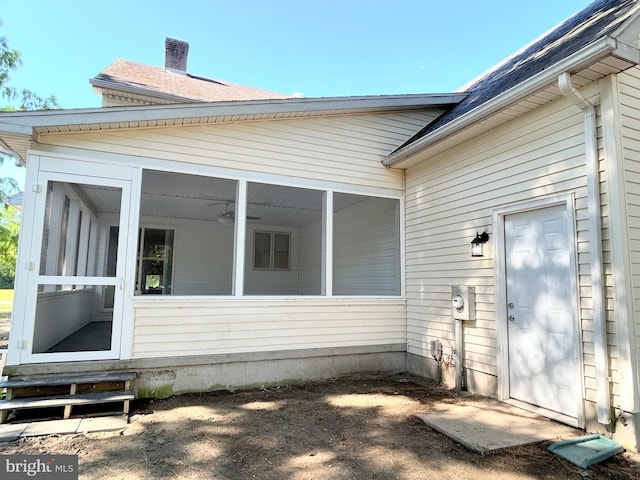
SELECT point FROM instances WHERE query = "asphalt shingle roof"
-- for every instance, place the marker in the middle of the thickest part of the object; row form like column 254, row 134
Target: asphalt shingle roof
column 125, row 73
column 594, row 22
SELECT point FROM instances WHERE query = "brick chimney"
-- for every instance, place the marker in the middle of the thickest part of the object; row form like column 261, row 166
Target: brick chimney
column 175, row 55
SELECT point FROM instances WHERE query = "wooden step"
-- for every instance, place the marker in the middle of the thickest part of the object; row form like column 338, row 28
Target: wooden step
column 25, row 382
column 29, row 392
column 66, row 400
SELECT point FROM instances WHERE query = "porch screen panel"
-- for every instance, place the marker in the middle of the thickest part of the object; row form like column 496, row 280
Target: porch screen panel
column 76, row 280
column 283, row 240
column 64, row 249
column 366, row 245
column 186, row 241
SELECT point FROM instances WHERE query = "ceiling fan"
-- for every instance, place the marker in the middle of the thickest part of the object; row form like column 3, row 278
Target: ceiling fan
column 227, row 216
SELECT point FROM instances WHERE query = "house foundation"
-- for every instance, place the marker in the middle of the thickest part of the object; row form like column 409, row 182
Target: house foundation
column 162, row 377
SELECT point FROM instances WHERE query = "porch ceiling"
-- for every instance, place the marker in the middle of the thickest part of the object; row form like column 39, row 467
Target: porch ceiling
column 194, row 197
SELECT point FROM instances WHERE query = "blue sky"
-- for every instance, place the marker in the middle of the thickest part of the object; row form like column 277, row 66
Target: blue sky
column 319, row 49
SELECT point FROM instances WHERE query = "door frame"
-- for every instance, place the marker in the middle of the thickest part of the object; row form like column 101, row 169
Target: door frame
column 32, row 277
column 502, row 337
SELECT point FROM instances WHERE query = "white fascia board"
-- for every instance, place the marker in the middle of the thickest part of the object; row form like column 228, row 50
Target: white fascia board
column 406, row 156
column 16, row 128
column 21, row 122
column 147, row 92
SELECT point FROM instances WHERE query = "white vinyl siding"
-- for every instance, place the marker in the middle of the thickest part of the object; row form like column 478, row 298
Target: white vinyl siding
column 629, row 88
column 174, row 327
column 310, row 266
column 346, row 149
column 452, row 196
column 366, row 249
column 201, row 265
column 342, row 153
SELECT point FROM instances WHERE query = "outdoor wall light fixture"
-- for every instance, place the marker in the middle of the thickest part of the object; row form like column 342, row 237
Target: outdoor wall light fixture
column 476, row 244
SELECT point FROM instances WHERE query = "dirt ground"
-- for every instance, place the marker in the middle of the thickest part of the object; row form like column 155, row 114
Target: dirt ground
column 348, row 428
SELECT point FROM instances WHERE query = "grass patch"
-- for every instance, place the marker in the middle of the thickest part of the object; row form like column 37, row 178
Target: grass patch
column 6, row 295
column 6, row 300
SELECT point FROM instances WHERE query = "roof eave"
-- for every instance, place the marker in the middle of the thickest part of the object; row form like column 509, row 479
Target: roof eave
column 416, row 151
column 145, row 91
column 23, row 122
column 20, row 127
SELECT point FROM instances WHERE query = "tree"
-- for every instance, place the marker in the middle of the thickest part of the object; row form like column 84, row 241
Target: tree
column 16, row 99
column 9, row 231
column 10, row 60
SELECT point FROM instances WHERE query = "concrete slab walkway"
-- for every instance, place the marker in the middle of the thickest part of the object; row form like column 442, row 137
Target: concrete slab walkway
column 487, row 425
column 12, row 431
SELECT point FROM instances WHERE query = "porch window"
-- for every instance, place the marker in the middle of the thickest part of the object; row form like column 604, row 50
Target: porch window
column 155, row 261
column 271, row 251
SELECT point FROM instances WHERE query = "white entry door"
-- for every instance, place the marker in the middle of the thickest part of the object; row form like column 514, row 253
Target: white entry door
column 541, row 321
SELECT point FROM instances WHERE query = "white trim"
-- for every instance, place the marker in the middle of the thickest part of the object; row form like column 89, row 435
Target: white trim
column 178, row 166
column 619, row 240
column 126, row 333
column 206, row 299
column 327, row 245
column 502, row 338
column 20, row 302
column 34, row 278
column 240, row 241
column 118, row 117
column 401, row 224
column 84, row 240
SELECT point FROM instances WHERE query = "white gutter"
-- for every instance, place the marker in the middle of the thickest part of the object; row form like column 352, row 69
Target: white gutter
column 575, row 62
column 595, row 247
column 23, row 121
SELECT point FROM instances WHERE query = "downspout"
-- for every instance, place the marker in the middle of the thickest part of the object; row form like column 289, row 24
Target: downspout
column 595, row 247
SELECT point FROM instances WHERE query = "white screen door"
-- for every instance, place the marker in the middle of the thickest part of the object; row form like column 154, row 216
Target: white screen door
column 543, row 364
column 70, row 275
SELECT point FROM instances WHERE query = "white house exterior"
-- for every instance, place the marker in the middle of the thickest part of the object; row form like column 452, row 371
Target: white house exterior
column 210, row 245
column 132, row 229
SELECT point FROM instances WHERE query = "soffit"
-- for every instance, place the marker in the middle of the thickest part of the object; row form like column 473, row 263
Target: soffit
column 17, row 128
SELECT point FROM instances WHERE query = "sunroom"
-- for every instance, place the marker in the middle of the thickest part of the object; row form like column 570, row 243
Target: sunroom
column 215, row 264
column 229, row 229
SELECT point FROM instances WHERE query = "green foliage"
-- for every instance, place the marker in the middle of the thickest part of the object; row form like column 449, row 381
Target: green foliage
column 26, row 99
column 9, row 231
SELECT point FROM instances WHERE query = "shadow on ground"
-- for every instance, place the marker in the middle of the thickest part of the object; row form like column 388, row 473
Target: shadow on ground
column 351, row 428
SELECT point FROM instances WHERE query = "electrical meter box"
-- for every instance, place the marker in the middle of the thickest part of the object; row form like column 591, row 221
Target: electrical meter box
column 463, row 303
